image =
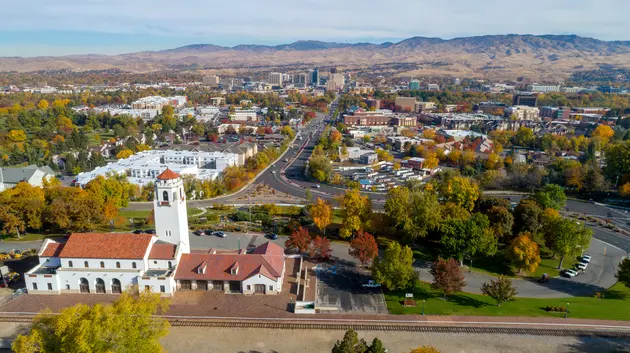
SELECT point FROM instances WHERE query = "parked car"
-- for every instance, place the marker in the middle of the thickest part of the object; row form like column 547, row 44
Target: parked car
column 586, row 258
column 286, row 159
column 371, row 284
column 273, row 172
column 199, row 232
column 150, row 231
column 272, row 236
column 317, row 186
column 570, row 273
column 581, row 266
column 138, row 231
column 219, row 234
column 208, row 232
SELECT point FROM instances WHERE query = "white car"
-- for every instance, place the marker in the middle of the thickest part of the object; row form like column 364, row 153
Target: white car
column 371, row 284
column 581, row 266
column 273, row 172
column 586, row 258
column 570, row 273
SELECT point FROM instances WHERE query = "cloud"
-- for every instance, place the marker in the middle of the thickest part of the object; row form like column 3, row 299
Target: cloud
column 279, row 21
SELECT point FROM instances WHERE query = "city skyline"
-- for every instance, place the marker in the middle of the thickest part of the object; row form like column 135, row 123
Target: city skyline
column 114, row 27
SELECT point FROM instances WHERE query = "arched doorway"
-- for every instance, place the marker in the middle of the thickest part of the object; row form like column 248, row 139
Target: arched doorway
column 100, row 286
column 84, row 285
column 116, row 287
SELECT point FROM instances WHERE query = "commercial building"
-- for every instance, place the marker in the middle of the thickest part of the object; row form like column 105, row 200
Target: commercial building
column 244, row 115
column 529, row 100
column 406, row 104
column 523, row 112
column 555, row 112
column 211, row 80
column 335, row 82
column 157, row 102
column 433, row 87
column 414, row 85
column 300, row 80
column 276, row 78
column 145, row 166
column 314, row 74
column 404, row 121
column 543, row 88
column 162, row 263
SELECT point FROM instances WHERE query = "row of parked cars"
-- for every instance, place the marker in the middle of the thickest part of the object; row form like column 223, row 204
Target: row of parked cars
column 579, row 267
column 216, row 233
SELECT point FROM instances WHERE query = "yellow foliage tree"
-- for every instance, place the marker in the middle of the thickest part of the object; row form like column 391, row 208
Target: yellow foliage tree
column 493, row 162
column 524, row 253
column 455, row 156
column 461, row 191
column 356, row 212
column 321, row 213
column 17, row 136
column 624, row 190
column 425, row 349
column 142, row 147
column 430, row 160
column 43, row 104
column 127, row 325
column 429, row 134
column 604, row 132
column 125, row 153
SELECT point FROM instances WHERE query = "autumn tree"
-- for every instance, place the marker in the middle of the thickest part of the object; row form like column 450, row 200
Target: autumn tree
column 356, row 212
column 461, row 191
column 623, row 273
column 43, row 104
column 124, row 153
column 500, row 290
column 321, row 213
column 524, row 253
column 363, row 248
column 551, row 196
column 447, row 276
column 395, row 269
column 320, row 248
column 99, row 328
column 424, row 349
column 299, row 240
column 604, row 133
column 501, row 220
column 22, row 207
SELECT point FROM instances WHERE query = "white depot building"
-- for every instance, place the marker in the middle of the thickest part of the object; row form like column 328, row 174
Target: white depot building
column 145, row 166
column 161, row 263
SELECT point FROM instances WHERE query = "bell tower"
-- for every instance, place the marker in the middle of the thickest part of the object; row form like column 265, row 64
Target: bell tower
column 171, row 214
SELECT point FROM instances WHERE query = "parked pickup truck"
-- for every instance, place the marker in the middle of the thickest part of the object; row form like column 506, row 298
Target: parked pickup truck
column 371, row 284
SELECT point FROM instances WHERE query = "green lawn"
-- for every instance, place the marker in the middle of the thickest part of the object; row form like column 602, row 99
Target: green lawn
column 30, row 237
column 614, row 305
column 134, row 213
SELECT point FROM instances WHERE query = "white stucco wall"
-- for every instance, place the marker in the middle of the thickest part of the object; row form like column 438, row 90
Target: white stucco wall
column 110, row 264
column 69, row 279
column 154, row 284
column 260, row 279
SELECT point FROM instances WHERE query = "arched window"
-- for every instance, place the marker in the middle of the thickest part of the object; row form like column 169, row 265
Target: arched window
column 102, row 264
column 170, row 265
column 181, row 195
column 165, row 196
column 133, row 265
column 174, row 195
column 69, row 263
column 117, row 264
column 85, row 264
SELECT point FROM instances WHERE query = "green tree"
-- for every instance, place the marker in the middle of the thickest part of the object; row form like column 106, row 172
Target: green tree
column 356, row 212
column 500, row 290
column 501, row 221
column 551, row 196
column 350, row 343
column 395, row 270
column 469, row 237
column 319, row 167
column 127, row 325
column 527, row 216
column 567, row 237
column 524, row 137
column 377, row 346
column 623, row 274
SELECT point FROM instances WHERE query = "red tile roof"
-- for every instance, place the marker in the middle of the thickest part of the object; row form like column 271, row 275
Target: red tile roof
column 52, row 249
column 265, row 260
column 168, row 175
column 162, row 251
column 106, row 246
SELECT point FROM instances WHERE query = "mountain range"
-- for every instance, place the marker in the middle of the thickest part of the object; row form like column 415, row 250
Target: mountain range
column 543, row 57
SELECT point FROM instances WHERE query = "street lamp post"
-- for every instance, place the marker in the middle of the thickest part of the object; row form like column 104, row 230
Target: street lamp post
column 566, row 312
column 423, row 302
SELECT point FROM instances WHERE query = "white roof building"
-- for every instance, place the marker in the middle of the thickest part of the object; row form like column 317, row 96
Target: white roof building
column 145, row 166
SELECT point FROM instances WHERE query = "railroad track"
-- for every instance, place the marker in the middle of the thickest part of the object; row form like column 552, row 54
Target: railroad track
column 392, row 327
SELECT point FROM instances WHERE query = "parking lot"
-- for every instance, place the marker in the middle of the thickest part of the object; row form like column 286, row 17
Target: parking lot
column 339, row 286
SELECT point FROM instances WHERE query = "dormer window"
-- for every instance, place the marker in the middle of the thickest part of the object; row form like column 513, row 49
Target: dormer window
column 202, row 268
column 234, row 269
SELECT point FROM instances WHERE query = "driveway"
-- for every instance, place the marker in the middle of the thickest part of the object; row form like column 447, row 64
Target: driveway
column 599, row 275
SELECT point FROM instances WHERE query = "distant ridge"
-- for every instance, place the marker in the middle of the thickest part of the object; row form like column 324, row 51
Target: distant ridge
column 545, row 57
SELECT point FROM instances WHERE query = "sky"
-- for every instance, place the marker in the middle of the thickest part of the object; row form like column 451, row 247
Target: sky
column 63, row 27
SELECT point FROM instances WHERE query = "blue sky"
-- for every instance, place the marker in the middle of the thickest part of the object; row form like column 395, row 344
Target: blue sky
column 38, row 27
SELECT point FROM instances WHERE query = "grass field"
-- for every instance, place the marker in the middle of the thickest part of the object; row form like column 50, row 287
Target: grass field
column 614, row 305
